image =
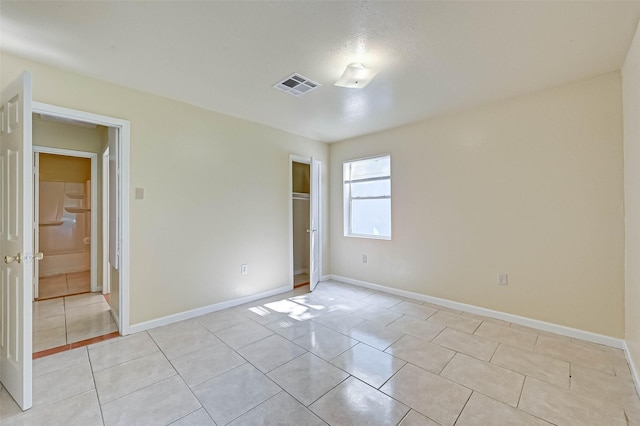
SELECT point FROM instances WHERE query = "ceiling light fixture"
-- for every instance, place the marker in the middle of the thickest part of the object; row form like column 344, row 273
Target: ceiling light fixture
column 356, row 76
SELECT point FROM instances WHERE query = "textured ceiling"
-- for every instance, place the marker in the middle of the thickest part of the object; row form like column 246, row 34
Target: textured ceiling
column 431, row 57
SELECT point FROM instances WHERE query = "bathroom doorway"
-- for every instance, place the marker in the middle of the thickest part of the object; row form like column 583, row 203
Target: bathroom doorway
column 65, row 215
column 69, row 307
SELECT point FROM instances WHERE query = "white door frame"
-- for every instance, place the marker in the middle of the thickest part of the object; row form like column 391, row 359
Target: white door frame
column 124, row 127
column 93, row 203
column 315, row 185
column 304, row 160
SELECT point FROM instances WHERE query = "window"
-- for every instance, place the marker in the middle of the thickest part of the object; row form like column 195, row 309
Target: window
column 367, row 197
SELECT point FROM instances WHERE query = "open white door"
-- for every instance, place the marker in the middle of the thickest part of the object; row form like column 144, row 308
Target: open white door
column 314, row 225
column 16, row 240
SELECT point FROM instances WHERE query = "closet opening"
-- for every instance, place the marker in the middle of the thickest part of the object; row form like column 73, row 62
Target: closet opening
column 300, row 196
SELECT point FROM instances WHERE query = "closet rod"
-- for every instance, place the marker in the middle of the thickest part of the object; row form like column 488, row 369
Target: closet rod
column 300, row 196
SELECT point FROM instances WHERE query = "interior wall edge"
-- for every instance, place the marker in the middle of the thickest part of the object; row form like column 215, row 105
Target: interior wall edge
column 479, row 310
column 632, row 366
column 631, row 140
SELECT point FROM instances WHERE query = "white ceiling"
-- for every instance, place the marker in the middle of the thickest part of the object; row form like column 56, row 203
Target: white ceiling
column 431, row 57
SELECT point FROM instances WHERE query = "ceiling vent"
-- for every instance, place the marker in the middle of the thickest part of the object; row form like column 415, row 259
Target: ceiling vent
column 297, row 85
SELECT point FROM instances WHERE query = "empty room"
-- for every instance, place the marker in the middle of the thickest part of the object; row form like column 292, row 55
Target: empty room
column 320, row 213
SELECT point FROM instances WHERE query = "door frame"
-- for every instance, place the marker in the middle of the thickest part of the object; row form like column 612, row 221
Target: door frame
column 293, row 158
column 124, row 135
column 93, row 203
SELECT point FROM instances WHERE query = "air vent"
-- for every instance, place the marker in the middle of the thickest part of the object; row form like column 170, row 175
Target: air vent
column 297, row 85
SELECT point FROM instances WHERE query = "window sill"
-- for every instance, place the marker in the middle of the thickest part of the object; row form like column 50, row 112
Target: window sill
column 368, row 237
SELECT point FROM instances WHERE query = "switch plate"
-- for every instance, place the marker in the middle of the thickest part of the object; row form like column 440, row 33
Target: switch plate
column 503, row 278
column 139, row 193
column 244, row 269
column 364, row 258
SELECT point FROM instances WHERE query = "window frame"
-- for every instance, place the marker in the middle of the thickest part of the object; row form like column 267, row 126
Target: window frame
column 348, row 199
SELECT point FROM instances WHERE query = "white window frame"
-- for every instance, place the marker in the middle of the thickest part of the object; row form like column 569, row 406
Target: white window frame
column 348, row 198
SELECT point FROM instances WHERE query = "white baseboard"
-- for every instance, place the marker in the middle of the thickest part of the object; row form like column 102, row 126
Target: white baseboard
column 529, row 322
column 632, row 366
column 301, row 271
column 170, row 319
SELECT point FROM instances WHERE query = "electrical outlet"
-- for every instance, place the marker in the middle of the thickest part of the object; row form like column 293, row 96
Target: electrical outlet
column 244, row 269
column 364, row 258
column 503, row 278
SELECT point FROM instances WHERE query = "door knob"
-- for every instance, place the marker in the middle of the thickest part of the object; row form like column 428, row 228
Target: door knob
column 38, row 256
column 9, row 259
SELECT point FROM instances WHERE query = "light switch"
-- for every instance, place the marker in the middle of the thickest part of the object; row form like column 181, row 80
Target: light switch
column 503, row 278
column 139, row 193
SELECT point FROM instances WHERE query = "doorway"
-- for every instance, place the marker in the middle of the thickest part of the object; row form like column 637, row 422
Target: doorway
column 68, row 306
column 65, row 217
column 115, row 210
column 305, row 231
column 300, row 199
column 82, row 317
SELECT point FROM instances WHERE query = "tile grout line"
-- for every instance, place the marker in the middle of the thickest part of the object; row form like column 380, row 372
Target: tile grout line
column 464, row 406
column 95, row 386
column 521, row 391
column 132, row 359
column 494, row 351
column 391, row 377
column 338, row 384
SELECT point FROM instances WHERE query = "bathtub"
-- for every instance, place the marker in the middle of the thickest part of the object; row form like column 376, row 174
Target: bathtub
column 65, row 263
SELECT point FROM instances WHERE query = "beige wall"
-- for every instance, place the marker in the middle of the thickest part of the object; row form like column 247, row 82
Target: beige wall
column 68, row 136
column 216, row 193
column 530, row 186
column 631, row 107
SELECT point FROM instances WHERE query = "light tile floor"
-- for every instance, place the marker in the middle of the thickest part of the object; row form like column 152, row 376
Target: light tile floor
column 341, row 355
column 70, row 319
column 64, row 284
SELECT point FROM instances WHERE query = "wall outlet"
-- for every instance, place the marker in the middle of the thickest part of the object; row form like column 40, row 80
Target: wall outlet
column 244, row 269
column 503, row 278
column 364, row 258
